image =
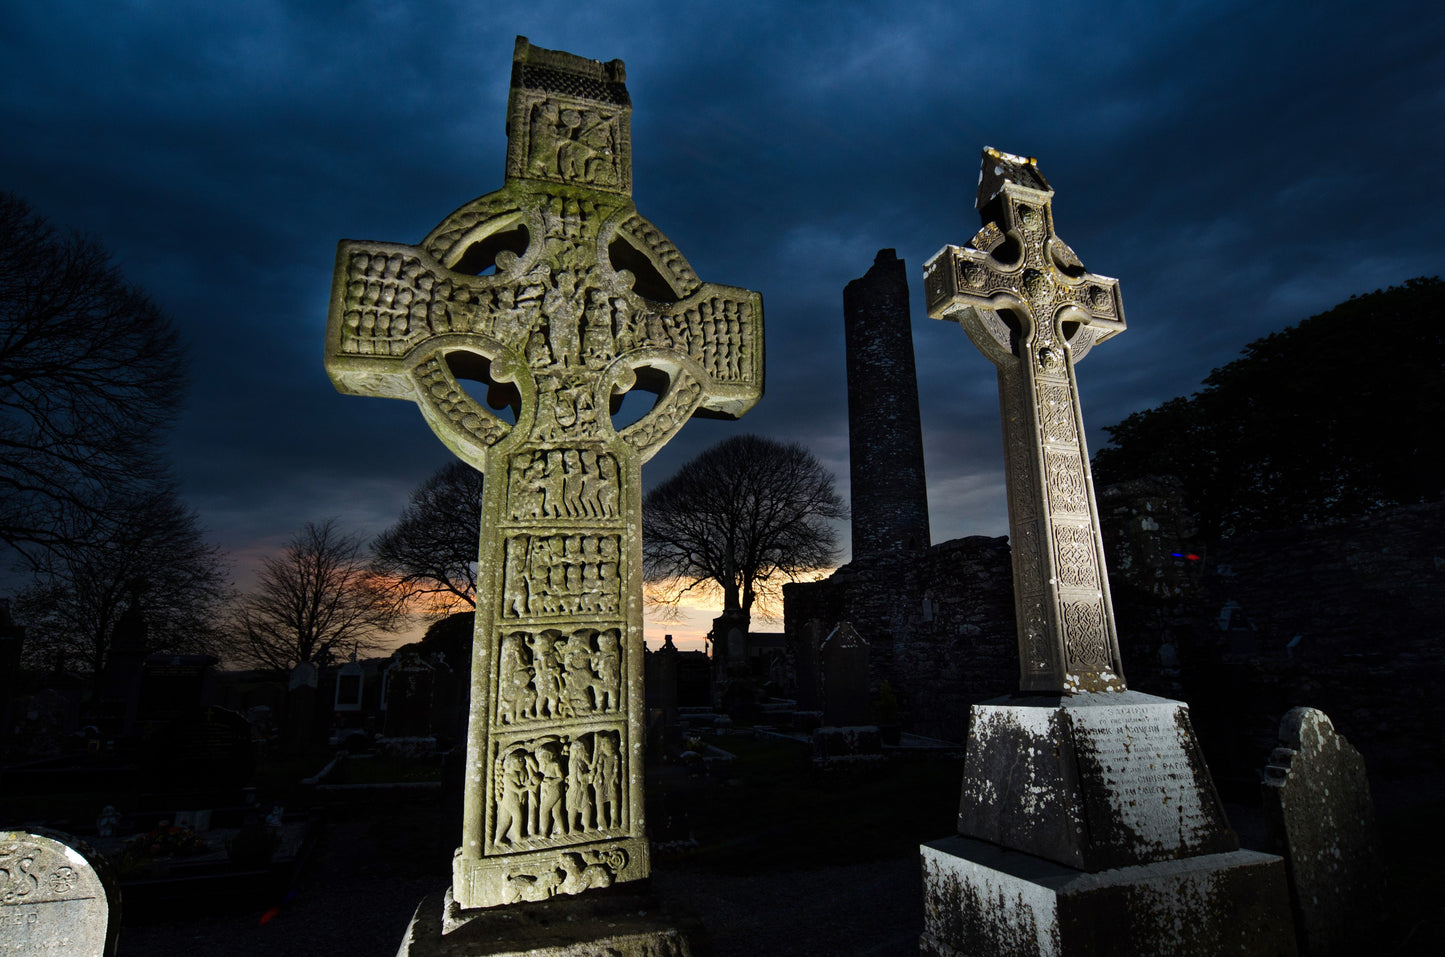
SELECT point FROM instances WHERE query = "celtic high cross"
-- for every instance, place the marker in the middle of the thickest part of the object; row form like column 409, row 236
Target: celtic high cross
column 558, row 297
column 1027, row 303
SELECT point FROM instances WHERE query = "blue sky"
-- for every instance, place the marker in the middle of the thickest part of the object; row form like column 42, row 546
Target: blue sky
column 1238, row 166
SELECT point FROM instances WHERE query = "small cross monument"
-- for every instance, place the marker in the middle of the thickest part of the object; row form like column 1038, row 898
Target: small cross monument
column 1027, row 303
column 556, row 297
column 1083, row 804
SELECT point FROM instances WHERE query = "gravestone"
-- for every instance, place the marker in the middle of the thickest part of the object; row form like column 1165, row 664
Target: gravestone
column 844, row 654
column 808, row 667
column 301, row 722
column 557, row 297
column 1088, row 821
column 666, row 669
column 408, row 697
column 57, row 896
column 1319, row 817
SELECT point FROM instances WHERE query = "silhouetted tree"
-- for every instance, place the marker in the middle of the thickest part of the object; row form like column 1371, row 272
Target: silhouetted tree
column 744, row 515
column 91, row 372
column 431, row 551
column 152, row 563
column 1327, row 419
column 317, row 602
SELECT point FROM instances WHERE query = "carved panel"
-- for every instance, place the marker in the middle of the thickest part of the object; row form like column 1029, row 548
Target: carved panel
column 1028, row 564
column 1075, row 550
column 569, row 873
column 1065, row 477
column 561, row 484
column 568, row 142
column 548, row 576
column 716, row 333
column 1084, row 636
column 1056, row 410
column 551, row 675
column 557, row 789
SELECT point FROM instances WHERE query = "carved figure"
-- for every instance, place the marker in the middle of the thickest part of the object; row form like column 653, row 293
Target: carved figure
column 579, row 786
column 551, row 820
column 513, row 788
column 606, row 664
column 604, row 782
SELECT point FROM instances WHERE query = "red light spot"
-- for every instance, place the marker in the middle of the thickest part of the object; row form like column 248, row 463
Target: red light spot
column 270, row 915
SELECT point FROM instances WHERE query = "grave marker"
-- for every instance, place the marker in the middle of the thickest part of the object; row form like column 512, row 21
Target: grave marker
column 1088, row 819
column 57, row 896
column 587, row 300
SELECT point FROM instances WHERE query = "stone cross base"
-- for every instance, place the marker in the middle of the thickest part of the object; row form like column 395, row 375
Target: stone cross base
column 984, row 901
column 542, row 874
column 623, row 922
column 1090, row 781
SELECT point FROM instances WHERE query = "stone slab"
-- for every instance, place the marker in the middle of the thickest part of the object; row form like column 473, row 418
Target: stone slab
column 1091, row 781
column 57, row 896
column 1320, row 818
column 981, row 900
column 623, row 922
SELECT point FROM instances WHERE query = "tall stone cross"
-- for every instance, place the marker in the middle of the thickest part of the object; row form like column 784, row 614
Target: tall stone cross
column 1027, row 303
column 558, row 297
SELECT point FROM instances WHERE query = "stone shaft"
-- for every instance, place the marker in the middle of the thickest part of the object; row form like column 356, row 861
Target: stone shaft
column 889, row 495
column 586, row 301
column 1028, row 304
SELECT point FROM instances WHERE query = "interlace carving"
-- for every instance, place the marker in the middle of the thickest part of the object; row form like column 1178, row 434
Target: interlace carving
column 1034, row 317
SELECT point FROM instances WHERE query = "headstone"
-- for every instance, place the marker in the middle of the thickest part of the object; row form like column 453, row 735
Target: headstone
column 666, row 670
column 57, row 896
column 1319, row 817
column 408, row 704
column 845, row 678
column 587, row 300
column 301, row 707
column 808, row 667
column 1088, row 820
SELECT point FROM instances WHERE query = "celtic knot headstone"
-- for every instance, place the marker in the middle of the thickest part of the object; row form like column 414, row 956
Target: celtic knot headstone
column 557, row 298
column 1028, row 304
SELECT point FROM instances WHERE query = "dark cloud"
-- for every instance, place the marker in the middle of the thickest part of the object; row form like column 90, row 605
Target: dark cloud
column 1239, row 166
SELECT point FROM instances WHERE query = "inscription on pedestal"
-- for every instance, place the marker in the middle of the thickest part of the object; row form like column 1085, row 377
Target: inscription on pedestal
column 1144, row 784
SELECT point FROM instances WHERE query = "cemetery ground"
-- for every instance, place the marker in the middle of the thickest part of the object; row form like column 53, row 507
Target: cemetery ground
column 772, row 856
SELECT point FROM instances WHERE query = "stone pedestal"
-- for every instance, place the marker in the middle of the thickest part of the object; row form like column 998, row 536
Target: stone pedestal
column 984, row 901
column 1091, row 781
column 621, row 922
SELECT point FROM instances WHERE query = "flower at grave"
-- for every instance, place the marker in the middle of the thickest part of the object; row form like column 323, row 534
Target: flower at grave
column 166, row 841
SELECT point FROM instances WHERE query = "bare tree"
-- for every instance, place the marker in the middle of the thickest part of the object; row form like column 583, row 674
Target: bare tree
column 91, row 373
column 148, row 560
column 745, row 515
column 317, row 602
column 431, row 551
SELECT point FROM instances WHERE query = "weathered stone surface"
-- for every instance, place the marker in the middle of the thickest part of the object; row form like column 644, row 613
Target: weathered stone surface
column 1027, row 303
column 985, row 901
column 941, row 626
column 1093, row 781
column 1319, row 817
column 887, row 486
column 57, row 896
column 587, row 300
column 626, row 924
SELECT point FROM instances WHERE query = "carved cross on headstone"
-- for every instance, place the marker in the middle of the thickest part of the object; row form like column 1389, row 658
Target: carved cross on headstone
column 1027, row 303
column 559, row 297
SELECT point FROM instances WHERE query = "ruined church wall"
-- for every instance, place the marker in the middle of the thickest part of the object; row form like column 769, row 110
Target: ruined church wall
column 939, row 624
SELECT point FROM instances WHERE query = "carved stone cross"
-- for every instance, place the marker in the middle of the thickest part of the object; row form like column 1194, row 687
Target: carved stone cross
column 1027, row 303
column 558, row 297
